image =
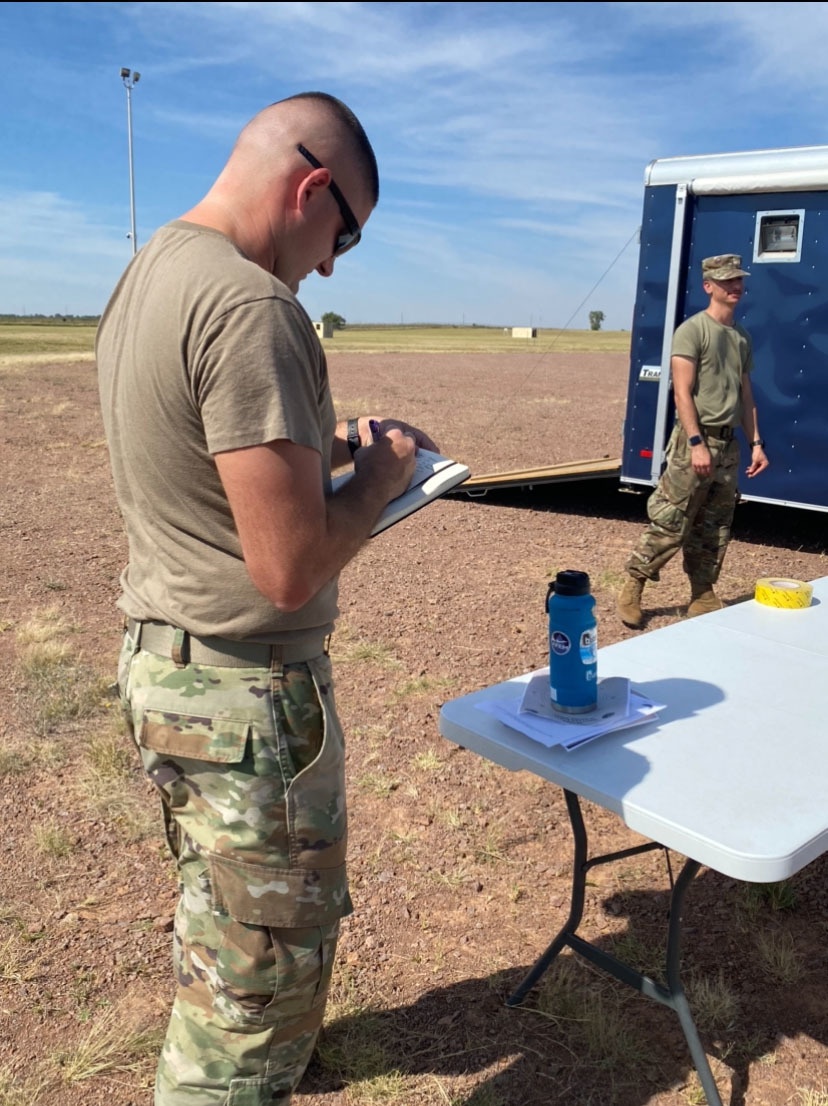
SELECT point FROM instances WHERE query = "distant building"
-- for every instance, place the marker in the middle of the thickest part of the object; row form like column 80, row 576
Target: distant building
column 524, row 332
column 325, row 329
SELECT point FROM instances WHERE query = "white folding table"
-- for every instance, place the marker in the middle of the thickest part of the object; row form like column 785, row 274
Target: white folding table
column 732, row 774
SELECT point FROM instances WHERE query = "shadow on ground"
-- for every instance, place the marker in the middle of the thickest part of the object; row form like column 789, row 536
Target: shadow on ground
column 755, row 523
column 584, row 1039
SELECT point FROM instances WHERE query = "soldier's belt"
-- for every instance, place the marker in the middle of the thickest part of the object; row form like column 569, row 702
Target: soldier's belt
column 723, row 433
column 219, row 652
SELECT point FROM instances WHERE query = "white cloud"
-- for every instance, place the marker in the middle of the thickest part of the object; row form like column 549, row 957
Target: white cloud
column 53, row 258
column 512, row 137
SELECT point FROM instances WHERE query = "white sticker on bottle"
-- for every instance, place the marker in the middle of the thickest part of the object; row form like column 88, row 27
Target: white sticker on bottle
column 559, row 643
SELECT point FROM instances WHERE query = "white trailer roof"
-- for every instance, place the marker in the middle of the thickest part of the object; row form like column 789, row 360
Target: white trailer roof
column 798, row 168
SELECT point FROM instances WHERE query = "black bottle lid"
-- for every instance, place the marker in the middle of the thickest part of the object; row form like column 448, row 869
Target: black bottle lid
column 571, row 582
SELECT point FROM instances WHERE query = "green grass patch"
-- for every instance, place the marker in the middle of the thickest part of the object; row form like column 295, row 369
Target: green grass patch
column 758, row 899
column 27, row 341
column 36, row 340
column 377, row 784
column 472, row 339
column 420, row 685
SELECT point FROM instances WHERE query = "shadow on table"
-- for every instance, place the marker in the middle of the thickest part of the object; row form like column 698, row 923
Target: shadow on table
column 581, row 1037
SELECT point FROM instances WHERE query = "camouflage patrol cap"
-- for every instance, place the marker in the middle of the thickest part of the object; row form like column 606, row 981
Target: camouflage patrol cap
column 724, row 266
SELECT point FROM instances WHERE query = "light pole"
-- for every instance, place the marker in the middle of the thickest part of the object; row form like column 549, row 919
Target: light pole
column 130, row 80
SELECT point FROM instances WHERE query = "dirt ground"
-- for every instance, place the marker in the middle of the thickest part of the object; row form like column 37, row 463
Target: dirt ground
column 460, row 870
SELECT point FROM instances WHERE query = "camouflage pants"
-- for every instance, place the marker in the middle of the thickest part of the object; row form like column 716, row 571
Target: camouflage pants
column 249, row 765
column 691, row 513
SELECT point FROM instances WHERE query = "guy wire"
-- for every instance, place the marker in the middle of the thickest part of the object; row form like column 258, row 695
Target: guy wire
column 548, row 347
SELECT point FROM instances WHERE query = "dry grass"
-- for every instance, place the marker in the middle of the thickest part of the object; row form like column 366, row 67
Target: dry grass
column 715, row 1006
column 113, row 1043
column 111, row 784
column 778, row 956
column 56, row 686
column 34, row 1090
column 591, row 1017
column 811, row 1097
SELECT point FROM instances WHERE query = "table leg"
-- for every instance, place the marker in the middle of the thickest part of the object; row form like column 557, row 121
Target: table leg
column 576, row 904
column 673, row 994
column 580, row 866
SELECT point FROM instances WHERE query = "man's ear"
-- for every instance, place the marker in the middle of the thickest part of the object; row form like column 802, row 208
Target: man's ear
column 311, row 186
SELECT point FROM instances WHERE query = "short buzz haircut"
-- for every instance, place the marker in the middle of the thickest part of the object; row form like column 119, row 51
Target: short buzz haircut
column 359, row 139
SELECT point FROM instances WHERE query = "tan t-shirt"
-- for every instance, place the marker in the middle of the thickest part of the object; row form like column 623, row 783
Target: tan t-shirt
column 722, row 354
column 200, row 351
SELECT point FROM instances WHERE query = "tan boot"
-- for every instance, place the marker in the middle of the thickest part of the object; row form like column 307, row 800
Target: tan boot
column 629, row 602
column 703, row 600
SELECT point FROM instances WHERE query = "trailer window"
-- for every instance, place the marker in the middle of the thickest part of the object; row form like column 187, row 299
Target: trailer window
column 778, row 236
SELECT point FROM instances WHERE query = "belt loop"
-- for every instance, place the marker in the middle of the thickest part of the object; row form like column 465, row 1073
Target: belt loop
column 133, row 627
column 277, row 666
column 180, row 648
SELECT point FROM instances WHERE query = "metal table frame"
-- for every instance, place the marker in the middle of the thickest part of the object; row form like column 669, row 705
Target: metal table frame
column 672, row 994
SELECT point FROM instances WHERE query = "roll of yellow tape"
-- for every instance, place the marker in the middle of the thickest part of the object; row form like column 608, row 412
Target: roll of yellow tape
column 790, row 594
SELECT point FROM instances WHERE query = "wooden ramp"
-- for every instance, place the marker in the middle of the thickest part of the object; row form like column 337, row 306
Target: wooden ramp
column 601, row 468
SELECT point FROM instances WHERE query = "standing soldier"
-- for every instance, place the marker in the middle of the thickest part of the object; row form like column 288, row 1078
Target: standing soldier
column 222, row 436
column 692, row 506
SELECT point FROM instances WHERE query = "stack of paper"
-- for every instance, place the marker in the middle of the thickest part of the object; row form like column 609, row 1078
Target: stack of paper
column 619, row 707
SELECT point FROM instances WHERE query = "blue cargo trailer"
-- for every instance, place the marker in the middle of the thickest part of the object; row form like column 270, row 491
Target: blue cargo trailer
column 770, row 206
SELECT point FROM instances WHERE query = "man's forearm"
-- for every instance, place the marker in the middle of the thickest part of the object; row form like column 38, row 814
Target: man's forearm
column 750, row 418
column 688, row 415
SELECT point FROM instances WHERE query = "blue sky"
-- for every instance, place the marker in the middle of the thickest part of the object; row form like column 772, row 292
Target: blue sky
column 512, row 138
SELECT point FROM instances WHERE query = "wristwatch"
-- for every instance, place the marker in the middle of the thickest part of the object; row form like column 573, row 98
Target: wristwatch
column 354, row 442
column 697, row 439
column 759, row 441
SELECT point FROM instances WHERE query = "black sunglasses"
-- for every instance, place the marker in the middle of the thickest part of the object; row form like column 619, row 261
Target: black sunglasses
column 353, row 234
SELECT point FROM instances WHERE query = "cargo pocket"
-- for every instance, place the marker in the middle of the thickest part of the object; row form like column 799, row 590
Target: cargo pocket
column 215, row 740
column 259, row 894
column 670, row 503
column 274, row 954
column 198, row 766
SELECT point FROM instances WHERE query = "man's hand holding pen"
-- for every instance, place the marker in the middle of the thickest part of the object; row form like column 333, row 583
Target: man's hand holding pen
column 394, row 446
column 390, row 456
column 379, row 428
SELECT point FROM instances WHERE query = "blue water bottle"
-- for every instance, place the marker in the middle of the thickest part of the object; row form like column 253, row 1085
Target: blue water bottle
column 573, row 643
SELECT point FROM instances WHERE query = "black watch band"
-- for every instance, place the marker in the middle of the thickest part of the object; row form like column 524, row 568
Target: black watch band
column 354, row 442
column 696, row 439
column 759, row 441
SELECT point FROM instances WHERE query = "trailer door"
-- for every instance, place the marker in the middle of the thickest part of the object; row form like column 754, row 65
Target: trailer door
column 782, row 238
